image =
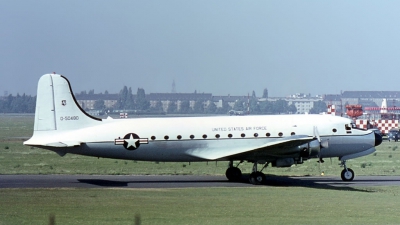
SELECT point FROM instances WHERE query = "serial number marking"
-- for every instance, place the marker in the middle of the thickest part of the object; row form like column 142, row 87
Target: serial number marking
column 69, row 118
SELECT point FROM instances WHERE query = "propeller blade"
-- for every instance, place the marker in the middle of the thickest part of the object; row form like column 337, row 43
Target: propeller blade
column 323, row 144
column 316, row 134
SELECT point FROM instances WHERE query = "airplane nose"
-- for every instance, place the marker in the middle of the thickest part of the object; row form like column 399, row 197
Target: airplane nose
column 378, row 139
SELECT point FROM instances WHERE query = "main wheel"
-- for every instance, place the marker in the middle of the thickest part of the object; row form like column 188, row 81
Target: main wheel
column 257, row 178
column 233, row 174
column 347, row 175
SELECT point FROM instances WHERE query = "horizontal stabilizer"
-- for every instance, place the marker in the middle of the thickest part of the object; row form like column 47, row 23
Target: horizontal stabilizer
column 64, row 144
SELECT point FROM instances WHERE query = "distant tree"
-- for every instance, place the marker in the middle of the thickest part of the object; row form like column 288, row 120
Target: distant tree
column 254, row 107
column 185, row 107
column 172, row 108
column 158, row 107
column 265, row 93
column 198, row 106
column 319, row 107
column 239, row 105
column 141, row 102
column 292, row 109
column 129, row 102
column 211, row 108
column 224, row 109
column 125, row 99
column 266, row 107
column 122, row 97
column 18, row 104
column 280, row 106
column 253, row 95
column 99, row 104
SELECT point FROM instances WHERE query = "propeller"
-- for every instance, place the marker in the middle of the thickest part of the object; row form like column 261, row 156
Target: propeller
column 322, row 144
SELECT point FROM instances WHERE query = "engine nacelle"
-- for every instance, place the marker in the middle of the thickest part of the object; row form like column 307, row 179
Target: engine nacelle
column 311, row 149
column 283, row 162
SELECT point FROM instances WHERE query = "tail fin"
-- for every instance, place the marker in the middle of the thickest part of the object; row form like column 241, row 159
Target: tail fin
column 57, row 108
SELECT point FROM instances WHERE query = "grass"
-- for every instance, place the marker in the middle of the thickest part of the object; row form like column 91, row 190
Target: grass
column 258, row 205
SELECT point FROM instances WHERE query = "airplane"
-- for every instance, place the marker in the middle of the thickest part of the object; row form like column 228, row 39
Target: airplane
column 62, row 126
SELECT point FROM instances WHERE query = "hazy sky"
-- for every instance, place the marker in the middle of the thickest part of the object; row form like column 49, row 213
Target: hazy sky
column 218, row 47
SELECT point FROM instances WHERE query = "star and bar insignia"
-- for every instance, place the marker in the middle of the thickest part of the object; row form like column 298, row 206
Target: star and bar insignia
column 131, row 141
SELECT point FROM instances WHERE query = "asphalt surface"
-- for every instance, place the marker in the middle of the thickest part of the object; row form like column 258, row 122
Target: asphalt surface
column 183, row 181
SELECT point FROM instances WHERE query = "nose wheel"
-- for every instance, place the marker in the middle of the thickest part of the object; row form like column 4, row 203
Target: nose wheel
column 347, row 173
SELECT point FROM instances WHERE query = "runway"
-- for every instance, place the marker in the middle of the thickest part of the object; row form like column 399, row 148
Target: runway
column 182, row 181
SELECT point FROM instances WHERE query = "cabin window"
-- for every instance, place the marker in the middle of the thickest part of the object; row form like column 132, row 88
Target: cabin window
column 334, row 130
column 255, row 135
column 153, row 138
column 267, row 134
column 191, row 136
column 217, row 136
column 280, row 134
column 204, row 136
column 243, row 135
column 179, row 137
column 229, row 135
column 166, row 137
column 293, row 133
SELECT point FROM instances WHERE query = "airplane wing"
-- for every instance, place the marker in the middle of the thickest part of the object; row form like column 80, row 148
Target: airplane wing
column 278, row 148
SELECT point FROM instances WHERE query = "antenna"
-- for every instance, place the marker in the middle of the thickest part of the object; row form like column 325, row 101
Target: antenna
column 173, row 87
column 248, row 104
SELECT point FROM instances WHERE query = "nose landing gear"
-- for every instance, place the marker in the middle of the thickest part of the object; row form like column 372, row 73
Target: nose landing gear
column 347, row 173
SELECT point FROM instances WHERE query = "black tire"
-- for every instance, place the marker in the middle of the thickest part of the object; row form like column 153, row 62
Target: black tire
column 233, row 174
column 347, row 175
column 257, row 178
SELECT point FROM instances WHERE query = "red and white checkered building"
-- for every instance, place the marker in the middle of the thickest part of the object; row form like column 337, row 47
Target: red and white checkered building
column 383, row 125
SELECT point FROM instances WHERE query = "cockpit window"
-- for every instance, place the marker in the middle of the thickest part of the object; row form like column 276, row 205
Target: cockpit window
column 354, row 126
column 348, row 128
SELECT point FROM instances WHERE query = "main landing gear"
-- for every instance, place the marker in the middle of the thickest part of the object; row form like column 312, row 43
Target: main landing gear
column 347, row 173
column 257, row 177
column 234, row 174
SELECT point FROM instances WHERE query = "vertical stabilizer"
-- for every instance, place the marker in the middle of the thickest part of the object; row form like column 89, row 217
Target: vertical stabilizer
column 57, row 108
column 384, row 106
column 44, row 112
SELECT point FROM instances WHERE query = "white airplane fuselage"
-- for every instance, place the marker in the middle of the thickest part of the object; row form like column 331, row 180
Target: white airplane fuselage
column 247, row 132
column 62, row 126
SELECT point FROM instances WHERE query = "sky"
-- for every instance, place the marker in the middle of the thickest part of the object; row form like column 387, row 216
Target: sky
column 219, row 47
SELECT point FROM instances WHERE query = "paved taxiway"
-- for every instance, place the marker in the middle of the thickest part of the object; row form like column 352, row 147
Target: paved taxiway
column 182, row 181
